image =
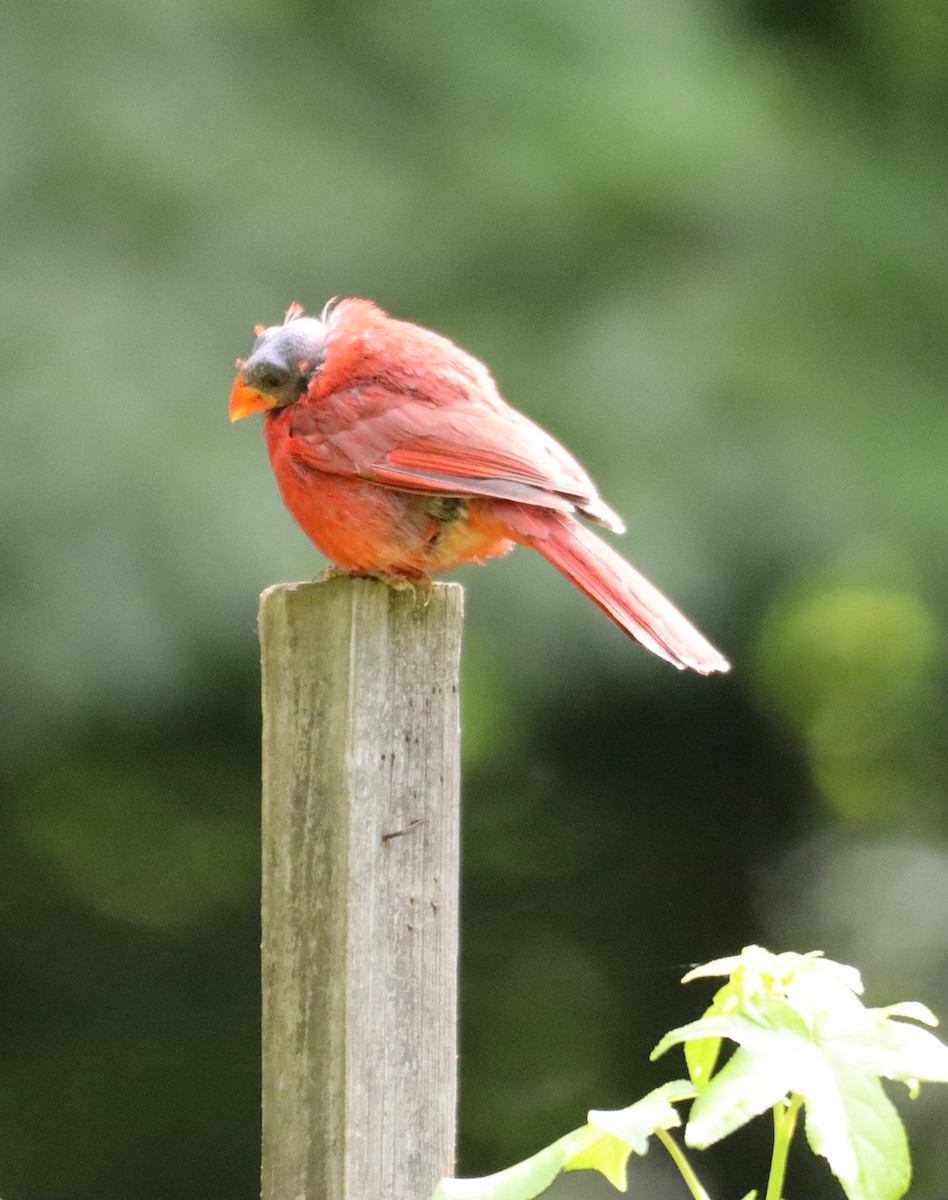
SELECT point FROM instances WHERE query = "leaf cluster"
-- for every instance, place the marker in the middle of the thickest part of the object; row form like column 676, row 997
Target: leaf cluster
column 805, row 1042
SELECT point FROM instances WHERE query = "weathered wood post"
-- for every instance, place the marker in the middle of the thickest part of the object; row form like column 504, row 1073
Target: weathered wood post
column 360, row 889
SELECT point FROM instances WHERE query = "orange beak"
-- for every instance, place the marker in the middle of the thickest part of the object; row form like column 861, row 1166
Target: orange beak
column 245, row 400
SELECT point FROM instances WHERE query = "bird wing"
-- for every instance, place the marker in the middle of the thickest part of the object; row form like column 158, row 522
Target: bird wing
column 463, row 448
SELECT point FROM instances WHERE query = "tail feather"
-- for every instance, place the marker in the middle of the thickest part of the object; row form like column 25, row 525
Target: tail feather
column 626, row 596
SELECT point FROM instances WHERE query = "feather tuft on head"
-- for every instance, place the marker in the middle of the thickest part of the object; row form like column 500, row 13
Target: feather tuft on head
column 295, row 310
column 327, row 309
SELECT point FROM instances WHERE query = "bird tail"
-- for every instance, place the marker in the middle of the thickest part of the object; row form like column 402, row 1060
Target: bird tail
column 626, row 596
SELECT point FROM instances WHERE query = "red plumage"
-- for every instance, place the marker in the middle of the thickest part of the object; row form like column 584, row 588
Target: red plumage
column 399, row 458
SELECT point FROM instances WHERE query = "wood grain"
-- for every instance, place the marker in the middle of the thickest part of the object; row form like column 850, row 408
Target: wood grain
column 360, row 889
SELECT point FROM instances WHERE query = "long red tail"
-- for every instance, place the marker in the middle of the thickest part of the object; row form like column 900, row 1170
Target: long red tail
column 626, row 596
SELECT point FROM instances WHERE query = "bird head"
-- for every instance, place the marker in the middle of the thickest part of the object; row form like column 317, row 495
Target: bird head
column 284, row 359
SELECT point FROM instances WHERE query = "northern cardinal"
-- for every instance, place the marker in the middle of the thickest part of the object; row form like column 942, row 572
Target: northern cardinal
column 399, row 458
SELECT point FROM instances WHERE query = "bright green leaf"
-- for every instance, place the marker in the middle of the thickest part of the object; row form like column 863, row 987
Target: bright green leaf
column 598, row 1151
column 636, row 1124
column 913, row 1010
column 524, row 1181
column 852, row 1123
column 720, row 966
column 771, row 1030
column 894, row 1050
column 828, row 1128
column 802, row 1032
column 756, row 969
column 701, row 1054
column 802, row 1029
column 603, row 1145
column 747, row 1086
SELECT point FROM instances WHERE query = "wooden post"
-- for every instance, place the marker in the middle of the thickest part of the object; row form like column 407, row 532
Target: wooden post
column 360, row 889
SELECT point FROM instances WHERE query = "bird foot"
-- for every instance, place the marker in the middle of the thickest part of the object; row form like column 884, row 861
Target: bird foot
column 419, row 585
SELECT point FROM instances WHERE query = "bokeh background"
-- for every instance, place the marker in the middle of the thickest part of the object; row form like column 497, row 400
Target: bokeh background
column 703, row 242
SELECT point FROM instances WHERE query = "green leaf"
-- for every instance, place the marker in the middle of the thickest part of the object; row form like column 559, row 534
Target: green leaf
column 802, row 1033
column 719, row 966
column 851, row 1122
column 701, row 1057
column 899, row 1051
column 802, row 1030
column 747, row 1086
column 757, row 1027
column 599, row 1151
column 756, row 970
column 912, row 1009
column 603, row 1145
column 624, row 1131
column 635, row 1125
column 701, row 1054
column 524, row 1181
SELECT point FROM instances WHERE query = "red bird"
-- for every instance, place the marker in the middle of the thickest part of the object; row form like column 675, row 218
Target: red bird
column 399, row 458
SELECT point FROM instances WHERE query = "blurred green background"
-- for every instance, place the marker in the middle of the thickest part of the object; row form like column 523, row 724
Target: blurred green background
column 703, row 243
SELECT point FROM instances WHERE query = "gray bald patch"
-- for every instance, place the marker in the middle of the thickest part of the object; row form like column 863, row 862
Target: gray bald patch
column 302, row 340
column 285, row 358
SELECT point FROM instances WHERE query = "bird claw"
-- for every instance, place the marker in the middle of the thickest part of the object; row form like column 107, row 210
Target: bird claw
column 416, row 584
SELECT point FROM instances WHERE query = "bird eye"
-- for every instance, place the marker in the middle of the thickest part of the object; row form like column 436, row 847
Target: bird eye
column 274, row 379
column 270, row 379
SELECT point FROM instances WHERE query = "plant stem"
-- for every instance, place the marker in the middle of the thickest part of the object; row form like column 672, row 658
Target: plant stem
column 683, row 1165
column 785, row 1122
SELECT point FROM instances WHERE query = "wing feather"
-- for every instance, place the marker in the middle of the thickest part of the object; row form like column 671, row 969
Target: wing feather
column 463, row 448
